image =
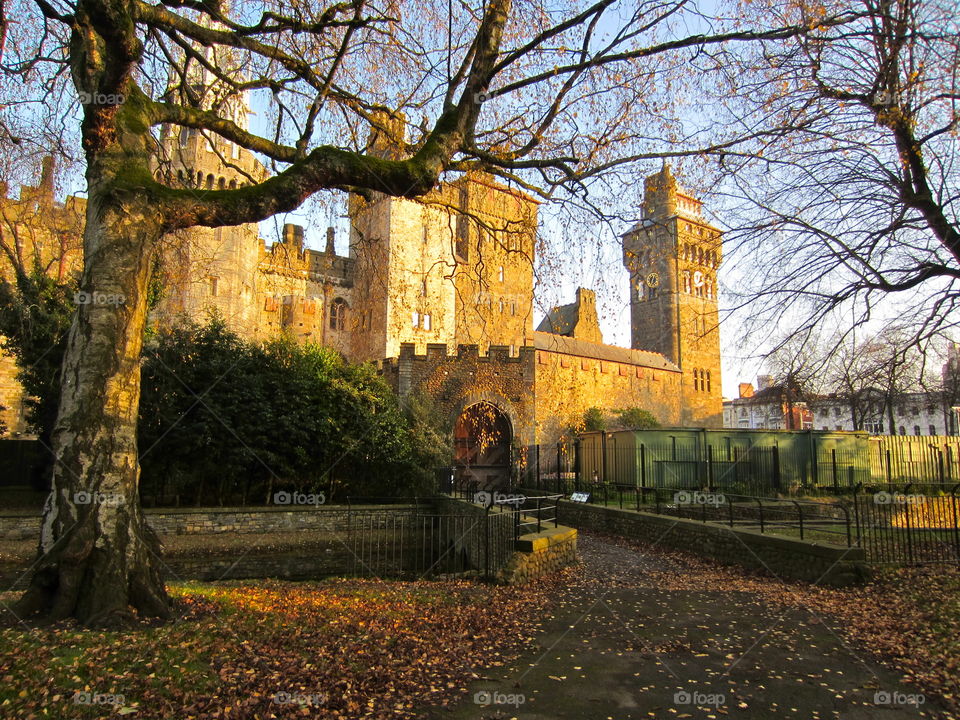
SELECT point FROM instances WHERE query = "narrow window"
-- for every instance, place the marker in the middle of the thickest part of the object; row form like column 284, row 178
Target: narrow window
column 416, row 319
column 500, row 273
column 338, row 314
column 427, row 321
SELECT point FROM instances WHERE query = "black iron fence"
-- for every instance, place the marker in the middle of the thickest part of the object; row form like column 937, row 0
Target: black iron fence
column 528, row 514
column 902, row 524
column 424, row 544
column 755, row 470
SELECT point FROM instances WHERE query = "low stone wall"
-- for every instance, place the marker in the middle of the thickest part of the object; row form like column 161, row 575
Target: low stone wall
column 517, row 561
column 211, row 521
column 540, row 554
column 786, row 558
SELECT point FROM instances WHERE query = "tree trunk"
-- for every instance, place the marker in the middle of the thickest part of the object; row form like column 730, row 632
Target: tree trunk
column 98, row 557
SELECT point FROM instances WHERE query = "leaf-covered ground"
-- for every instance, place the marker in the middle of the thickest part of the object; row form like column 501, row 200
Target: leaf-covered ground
column 340, row 648
column 617, row 637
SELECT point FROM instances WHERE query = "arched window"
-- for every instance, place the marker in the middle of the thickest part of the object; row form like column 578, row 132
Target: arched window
column 222, row 184
column 338, row 314
column 210, row 181
column 708, row 381
column 233, row 184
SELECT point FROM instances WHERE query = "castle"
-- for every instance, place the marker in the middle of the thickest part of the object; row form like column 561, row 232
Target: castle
column 439, row 293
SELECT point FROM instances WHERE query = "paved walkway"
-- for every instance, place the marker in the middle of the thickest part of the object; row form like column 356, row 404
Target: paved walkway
column 620, row 645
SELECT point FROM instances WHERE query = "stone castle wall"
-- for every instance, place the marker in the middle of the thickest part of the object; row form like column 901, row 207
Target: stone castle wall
column 456, row 381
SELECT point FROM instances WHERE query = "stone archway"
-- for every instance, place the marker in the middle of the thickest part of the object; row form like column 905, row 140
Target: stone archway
column 482, row 440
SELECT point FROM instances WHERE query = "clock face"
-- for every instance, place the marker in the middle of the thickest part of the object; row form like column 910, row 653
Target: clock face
column 653, row 280
column 698, row 278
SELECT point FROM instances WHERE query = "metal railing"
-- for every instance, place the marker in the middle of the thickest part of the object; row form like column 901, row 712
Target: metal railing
column 898, row 524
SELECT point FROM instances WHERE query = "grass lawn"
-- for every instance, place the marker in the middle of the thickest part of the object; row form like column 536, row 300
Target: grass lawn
column 268, row 649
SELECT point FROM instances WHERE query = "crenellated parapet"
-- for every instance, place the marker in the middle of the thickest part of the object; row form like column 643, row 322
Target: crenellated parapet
column 457, row 377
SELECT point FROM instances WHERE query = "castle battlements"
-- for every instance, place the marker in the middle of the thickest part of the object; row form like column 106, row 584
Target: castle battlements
column 440, row 352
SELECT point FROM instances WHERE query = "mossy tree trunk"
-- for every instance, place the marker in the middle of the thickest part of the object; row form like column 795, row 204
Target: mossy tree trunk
column 98, row 559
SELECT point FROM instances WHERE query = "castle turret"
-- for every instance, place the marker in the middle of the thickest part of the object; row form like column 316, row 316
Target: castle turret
column 673, row 256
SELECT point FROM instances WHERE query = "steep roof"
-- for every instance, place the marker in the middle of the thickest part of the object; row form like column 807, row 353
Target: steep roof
column 583, row 348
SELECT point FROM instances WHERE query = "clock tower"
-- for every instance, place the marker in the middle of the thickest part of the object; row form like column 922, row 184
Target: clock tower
column 673, row 256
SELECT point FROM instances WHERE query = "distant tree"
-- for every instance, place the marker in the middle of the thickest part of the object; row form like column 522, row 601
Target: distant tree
column 635, row 418
column 35, row 315
column 594, row 419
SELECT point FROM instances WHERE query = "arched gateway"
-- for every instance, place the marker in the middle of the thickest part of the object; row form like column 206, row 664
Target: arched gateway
column 482, row 438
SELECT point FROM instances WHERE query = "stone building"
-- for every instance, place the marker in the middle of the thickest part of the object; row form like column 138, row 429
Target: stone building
column 438, row 292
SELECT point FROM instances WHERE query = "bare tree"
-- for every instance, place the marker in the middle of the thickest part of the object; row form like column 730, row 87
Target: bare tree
column 852, row 212
column 547, row 96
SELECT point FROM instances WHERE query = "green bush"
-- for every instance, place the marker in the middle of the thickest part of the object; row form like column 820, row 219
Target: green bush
column 637, row 419
column 593, row 419
column 223, row 421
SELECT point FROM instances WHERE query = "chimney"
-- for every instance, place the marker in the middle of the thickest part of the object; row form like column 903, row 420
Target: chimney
column 388, row 135
column 330, row 250
column 45, row 189
column 293, row 235
column 746, row 390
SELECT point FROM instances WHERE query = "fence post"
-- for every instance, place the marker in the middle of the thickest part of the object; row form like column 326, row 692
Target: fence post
column 833, row 462
column 760, row 506
column 906, row 491
column 537, row 446
column 558, row 467
column 800, row 517
column 710, row 468
column 486, row 543
column 943, row 479
column 856, row 513
column 889, row 470
column 576, row 464
column 643, row 465
column 956, row 526
column 603, row 455
column 776, row 468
